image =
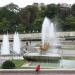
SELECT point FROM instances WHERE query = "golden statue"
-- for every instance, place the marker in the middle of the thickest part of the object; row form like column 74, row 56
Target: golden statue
column 44, row 47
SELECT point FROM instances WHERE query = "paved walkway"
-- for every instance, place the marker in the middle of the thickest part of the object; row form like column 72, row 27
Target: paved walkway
column 67, row 52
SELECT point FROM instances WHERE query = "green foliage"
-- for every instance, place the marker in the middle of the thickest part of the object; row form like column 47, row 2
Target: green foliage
column 27, row 16
column 31, row 17
column 70, row 23
column 4, row 25
column 12, row 7
column 8, row 65
column 18, row 63
column 37, row 24
column 11, row 16
column 51, row 10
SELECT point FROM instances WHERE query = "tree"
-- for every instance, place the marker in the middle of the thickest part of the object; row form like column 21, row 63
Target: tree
column 20, row 28
column 12, row 7
column 10, row 16
column 41, row 12
column 27, row 16
column 37, row 24
column 4, row 25
column 30, row 17
column 51, row 10
column 70, row 23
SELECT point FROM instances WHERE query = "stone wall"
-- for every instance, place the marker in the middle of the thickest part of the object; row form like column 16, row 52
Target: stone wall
column 38, row 35
column 33, row 72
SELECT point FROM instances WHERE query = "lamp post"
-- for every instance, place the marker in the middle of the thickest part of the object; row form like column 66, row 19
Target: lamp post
column 62, row 59
column 24, row 39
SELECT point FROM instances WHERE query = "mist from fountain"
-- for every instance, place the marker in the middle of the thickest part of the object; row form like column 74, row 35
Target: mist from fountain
column 5, row 45
column 49, row 35
column 47, row 50
column 16, row 44
column 45, row 31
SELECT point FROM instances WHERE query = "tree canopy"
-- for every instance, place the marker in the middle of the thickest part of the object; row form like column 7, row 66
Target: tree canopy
column 30, row 18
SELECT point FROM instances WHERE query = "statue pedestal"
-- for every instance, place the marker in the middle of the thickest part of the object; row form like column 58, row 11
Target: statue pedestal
column 41, row 57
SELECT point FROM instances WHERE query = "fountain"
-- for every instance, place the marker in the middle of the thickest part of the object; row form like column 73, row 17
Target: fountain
column 5, row 45
column 16, row 44
column 5, row 50
column 48, row 49
column 49, row 39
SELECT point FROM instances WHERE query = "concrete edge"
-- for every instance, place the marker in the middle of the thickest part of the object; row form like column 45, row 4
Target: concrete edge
column 23, row 70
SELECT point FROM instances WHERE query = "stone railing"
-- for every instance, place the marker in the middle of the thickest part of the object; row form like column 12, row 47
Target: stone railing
column 38, row 35
column 42, row 72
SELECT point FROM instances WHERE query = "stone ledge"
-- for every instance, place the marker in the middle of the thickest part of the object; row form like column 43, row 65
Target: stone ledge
column 23, row 70
column 33, row 72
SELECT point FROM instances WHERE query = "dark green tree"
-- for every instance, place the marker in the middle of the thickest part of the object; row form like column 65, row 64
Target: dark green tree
column 37, row 24
column 51, row 10
column 13, row 7
column 28, row 15
column 70, row 23
column 10, row 16
column 4, row 25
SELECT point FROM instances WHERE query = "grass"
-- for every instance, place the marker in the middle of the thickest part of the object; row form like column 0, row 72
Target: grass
column 68, row 48
column 69, row 57
column 18, row 63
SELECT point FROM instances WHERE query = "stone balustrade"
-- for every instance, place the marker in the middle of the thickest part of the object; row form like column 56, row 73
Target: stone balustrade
column 42, row 72
column 38, row 35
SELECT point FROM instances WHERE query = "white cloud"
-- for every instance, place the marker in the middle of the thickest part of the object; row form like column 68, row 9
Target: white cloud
column 23, row 3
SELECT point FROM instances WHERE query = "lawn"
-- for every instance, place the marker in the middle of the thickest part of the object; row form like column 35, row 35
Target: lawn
column 69, row 57
column 68, row 47
column 18, row 63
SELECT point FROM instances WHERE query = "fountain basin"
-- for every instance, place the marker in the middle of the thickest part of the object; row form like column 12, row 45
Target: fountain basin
column 38, row 57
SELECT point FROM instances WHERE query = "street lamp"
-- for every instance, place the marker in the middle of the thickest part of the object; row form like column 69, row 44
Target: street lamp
column 62, row 59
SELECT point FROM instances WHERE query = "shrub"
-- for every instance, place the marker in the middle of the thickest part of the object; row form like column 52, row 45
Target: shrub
column 8, row 65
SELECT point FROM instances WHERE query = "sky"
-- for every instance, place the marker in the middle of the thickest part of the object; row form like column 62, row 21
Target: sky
column 23, row 3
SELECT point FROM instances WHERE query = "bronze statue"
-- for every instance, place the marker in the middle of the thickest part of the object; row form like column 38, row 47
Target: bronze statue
column 44, row 47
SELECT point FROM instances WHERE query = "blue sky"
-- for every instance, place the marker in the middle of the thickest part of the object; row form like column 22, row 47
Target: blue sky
column 23, row 3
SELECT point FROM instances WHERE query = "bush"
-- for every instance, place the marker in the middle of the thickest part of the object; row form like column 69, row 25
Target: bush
column 8, row 65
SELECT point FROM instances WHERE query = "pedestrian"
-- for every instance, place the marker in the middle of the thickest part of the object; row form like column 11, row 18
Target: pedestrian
column 37, row 68
column 26, row 43
column 30, row 42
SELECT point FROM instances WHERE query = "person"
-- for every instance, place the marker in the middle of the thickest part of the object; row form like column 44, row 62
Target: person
column 26, row 43
column 37, row 68
column 30, row 42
